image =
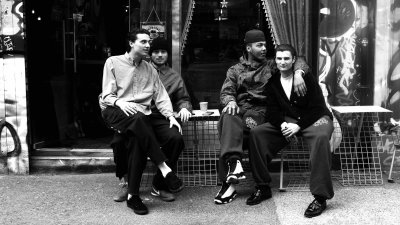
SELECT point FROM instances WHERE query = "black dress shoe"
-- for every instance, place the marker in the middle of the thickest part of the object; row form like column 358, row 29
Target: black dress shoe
column 173, row 182
column 315, row 209
column 137, row 205
column 262, row 193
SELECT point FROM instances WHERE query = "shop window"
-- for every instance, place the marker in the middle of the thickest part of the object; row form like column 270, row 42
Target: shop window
column 215, row 43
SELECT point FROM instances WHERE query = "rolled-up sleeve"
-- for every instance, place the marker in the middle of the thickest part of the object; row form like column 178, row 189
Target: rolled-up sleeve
column 109, row 85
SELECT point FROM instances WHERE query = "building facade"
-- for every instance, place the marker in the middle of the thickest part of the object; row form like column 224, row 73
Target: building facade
column 52, row 54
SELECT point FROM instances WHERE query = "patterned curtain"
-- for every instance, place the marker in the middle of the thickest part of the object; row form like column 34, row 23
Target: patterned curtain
column 187, row 13
column 290, row 22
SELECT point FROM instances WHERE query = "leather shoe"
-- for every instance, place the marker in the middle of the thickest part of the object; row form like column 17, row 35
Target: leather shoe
column 163, row 194
column 315, row 209
column 173, row 182
column 122, row 194
column 137, row 205
column 261, row 194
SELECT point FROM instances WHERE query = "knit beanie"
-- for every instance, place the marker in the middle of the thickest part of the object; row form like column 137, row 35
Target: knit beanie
column 158, row 44
column 252, row 36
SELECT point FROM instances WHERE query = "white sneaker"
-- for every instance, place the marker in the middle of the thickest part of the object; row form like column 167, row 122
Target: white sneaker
column 235, row 173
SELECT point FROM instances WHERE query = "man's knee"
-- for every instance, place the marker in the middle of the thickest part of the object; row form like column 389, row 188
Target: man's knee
column 255, row 131
column 322, row 136
column 175, row 137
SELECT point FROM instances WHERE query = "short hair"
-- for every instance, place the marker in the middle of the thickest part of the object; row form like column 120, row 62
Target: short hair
column 286, row 47
column 132, row 36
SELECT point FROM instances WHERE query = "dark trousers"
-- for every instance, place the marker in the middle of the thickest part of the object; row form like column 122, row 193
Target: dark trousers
column 172, row 145
column 168, row 138
column 233, row 136
column 266, row 141
column 141, row 142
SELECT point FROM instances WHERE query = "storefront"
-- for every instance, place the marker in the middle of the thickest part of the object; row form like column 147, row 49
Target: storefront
column 53, row 51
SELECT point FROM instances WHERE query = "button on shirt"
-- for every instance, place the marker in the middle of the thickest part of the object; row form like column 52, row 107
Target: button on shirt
column 138, row 83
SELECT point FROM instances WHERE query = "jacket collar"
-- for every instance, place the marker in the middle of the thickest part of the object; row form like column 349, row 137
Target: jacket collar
column 252, row 64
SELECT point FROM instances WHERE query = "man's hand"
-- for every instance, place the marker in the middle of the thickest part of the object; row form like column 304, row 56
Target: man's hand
column 231, row 108
column 184, row 114
column 173, row 122
column 289, row 129
column 298, row 83
column 129, row 108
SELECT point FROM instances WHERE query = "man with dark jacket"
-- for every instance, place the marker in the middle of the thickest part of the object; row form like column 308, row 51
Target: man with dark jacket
column 289, row 115
column 244, row 101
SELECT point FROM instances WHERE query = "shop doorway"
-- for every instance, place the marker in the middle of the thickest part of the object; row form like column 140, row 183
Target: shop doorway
column 67, row 45
column 215, row 43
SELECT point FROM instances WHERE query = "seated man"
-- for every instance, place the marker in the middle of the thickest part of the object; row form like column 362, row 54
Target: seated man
column 129, row 86
column 170, row 140
column 244, row 101
column 289, row 115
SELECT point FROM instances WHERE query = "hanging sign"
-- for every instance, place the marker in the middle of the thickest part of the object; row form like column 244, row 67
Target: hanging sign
column 156, row 29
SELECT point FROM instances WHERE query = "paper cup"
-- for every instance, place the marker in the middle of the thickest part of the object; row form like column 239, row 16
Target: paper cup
column 203, row 106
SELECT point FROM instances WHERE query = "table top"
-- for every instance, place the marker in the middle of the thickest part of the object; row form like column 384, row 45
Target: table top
column 359, row 109
column 210, row 112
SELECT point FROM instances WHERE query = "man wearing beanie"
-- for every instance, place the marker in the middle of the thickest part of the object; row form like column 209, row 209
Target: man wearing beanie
column 130, row 86
column 244, row 100
column 170, row 140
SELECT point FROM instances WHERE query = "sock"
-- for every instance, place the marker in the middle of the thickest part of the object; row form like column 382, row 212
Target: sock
column 164, row 168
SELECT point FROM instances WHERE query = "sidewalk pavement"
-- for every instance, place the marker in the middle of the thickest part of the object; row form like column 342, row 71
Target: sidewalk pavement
column 87, row 199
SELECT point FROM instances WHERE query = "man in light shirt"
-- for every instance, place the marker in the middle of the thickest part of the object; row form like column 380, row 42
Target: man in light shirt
column 170, row 140
column 129, row 86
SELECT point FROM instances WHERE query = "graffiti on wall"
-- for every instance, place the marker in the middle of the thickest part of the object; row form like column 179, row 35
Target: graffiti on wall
column 393, row 75
column 11, row 24
column 339, row 68
column 13, row 112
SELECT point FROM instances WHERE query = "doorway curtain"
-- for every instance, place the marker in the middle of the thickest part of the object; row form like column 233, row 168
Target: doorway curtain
column 289, row 22
column 187, row 13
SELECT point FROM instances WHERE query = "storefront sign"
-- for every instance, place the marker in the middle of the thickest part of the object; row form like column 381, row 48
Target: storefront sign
column 156, row 29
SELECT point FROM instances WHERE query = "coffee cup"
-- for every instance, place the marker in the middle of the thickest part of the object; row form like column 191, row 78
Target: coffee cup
column 203, row 106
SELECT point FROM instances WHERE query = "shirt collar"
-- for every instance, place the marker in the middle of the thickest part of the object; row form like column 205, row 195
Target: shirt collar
column 161, row 69
column 252, row 64
column 131, row 61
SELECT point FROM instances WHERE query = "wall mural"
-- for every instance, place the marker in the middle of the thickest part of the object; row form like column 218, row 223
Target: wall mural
column 13, row 115
column 339, row 68
column 387, row 79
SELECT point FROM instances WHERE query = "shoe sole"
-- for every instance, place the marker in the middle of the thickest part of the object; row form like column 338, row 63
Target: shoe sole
column 162, row 198
column 256, row 203
column 218, row 202
column 314, row 215
column 120, row 199
column 311, row 216
column 139, row 212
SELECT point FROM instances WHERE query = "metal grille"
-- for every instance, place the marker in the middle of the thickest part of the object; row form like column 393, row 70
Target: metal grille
column 360, row 162
column 297, row 155
column 197, row 165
